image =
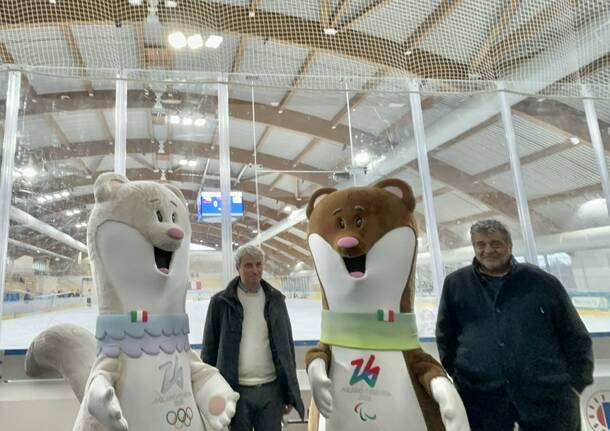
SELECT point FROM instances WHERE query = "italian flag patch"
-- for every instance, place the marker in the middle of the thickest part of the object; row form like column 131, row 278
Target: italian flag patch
column 385, row 315
column 139, row 315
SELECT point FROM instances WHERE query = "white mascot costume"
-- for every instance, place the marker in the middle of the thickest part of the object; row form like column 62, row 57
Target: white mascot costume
column 142, row 375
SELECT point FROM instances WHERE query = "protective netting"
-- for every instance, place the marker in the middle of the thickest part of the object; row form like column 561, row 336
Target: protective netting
column 534, row 46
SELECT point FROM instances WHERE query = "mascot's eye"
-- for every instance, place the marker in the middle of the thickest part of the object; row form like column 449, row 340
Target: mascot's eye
column 341, row 223
column 173, row 217
column 359, row 221
column 159, row 216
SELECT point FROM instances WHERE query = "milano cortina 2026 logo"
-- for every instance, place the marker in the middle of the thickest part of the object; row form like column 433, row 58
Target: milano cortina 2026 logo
column 369, row 375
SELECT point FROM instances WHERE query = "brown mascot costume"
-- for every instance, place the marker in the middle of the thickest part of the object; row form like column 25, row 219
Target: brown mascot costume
column 368, row 372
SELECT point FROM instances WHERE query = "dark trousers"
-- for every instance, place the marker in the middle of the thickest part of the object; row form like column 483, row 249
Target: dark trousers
column 495, row 411
column 260, row 407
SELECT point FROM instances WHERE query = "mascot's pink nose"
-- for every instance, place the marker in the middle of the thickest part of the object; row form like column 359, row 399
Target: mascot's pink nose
column 347, row 242
column 175, row 233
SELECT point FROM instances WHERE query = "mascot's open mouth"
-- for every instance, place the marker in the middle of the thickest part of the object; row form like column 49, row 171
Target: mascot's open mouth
column 356, row 266
column 163, row 259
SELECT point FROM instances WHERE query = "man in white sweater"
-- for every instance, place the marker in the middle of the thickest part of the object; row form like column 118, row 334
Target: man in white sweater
column 248, row 337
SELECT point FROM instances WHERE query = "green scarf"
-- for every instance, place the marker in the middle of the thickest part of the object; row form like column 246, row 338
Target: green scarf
column 369, row 330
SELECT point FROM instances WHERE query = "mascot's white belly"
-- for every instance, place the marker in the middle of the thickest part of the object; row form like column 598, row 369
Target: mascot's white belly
column 372, row 390
column 156, row 393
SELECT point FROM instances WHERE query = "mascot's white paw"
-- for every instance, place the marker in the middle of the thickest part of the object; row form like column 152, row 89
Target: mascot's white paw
column 320, row 386
column 104, row 406
column 452, row 409
column 217, row 401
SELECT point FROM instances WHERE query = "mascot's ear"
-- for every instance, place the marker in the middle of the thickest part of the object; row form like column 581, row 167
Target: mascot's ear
column 175, row 190
column 317, row 197
column 107, row 184
column 399, row 188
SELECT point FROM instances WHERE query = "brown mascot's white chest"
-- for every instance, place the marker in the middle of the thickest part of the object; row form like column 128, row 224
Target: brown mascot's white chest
column 372, row 389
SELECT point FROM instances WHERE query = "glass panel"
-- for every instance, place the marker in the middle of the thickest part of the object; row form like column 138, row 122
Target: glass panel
column 172, row 137
column 564, row 193
column 64, row 142
column 300, row 145
column 470, row 172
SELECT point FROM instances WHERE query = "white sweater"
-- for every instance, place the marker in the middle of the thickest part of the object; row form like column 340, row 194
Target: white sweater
column 255, row 361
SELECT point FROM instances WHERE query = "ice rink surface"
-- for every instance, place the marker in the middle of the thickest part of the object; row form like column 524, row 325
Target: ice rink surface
column 17, row 333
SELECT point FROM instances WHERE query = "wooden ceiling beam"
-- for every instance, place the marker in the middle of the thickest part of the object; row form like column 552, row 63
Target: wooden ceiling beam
column 360, row 16
column 66, row 29
column 485, row 52
column 557, row 117
column 304, row 124
column 431, row 23
column 190, row 148
column 311, row 58
column 264, row 25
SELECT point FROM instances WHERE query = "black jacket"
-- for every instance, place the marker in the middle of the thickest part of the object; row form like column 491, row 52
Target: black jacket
column 222, row 335
column 530, row 340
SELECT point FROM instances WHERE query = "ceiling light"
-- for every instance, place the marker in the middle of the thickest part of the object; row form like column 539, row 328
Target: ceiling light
column 29, row 172
column 49, row 197
column 187, row 121
column 57, row 195
column 200, row 122
column 135, row 2
column 213, row 41
column 76, row 211
column 177, row 40
column 65, row 193
column 330, row 31
column 174, row 119
column 195, row 41
column 41, row 199
column 254, row 231
column 192, row 163
column 288, row 209
column 69, row 213
column 183, row 162
column 362, row 158
column 408, row 52
column 171, row 3
column 251, row 14
column 574, row 140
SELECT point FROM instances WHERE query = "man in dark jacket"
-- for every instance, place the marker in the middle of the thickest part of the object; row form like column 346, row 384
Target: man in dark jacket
column 511, row 339
column 248, row 337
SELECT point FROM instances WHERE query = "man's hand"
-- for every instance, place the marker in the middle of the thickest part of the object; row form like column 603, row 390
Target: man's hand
column 287, row 409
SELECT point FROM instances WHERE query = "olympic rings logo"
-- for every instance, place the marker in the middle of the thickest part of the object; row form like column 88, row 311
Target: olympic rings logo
column 180, row 418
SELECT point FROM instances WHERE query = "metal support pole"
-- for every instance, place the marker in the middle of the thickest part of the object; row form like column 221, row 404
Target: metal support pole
column 120, row 127
column 258, row 215
column 515, row 167
column 598, row 145
column 224, row 160
column 349, row 131
column 9, row 146
column 438, row 271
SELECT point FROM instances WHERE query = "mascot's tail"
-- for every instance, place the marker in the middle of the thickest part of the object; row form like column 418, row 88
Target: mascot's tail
column 68, row 349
